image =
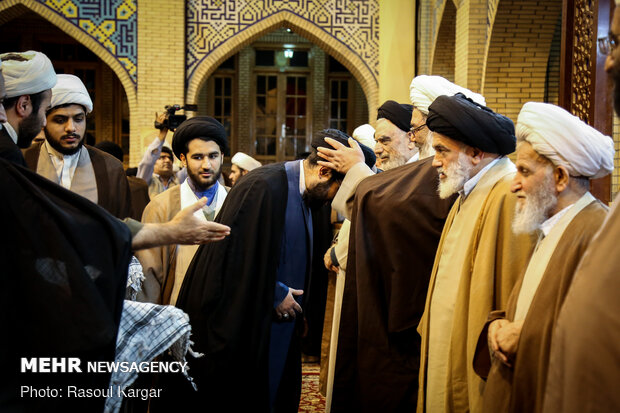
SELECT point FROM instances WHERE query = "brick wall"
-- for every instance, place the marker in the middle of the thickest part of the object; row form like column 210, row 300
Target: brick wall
column 615, row 177
column 318, row 90
column 470, row 45
column 519, row 54
column 443, row 58
column 552, row 83
column 244, row 137
column 161, row 77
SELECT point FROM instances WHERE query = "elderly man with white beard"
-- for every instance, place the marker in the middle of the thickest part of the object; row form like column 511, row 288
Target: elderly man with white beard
column 557, row 155
column 478, row 259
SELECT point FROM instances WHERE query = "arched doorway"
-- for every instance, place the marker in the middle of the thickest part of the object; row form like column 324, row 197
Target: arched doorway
column 23, row 29
column 443, row 55
column 276, row 92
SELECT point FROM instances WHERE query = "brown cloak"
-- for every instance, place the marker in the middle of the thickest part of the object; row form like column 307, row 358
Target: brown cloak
column 113, row 193
column 396, row 224
column 521, row 389
column 584, row 372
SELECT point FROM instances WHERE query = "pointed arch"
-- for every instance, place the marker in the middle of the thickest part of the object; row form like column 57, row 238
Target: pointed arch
column 303, row 27
column 10, row 8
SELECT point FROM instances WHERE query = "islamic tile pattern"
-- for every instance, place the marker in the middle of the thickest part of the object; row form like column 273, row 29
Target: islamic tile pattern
column 354, row 23
column 112, row 23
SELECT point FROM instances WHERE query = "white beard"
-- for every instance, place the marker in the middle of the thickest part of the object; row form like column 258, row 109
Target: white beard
column 456, row 175
column 536, row 209
column 426, row 149
column 394, row 161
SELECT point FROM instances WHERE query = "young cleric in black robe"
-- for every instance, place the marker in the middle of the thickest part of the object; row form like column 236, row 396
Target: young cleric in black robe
column 252, row 360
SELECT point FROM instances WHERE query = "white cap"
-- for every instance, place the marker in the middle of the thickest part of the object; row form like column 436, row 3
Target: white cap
column 566, row 140
column 425, row 89
column 71, row 90
column 34, row 73
column 365, row 134
column 245, row 161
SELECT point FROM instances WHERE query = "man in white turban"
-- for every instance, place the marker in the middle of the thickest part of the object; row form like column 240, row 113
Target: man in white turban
column 583, row 369
column 64, row 159
column 557, row 155
column 365, row 134
column 241, row 165
column 28, row 78
column 423, row 91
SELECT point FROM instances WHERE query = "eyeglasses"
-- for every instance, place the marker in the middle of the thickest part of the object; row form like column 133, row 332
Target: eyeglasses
column 413, row 131
column 607, row 44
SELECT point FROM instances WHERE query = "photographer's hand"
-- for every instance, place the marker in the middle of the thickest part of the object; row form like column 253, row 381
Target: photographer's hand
column 163, row 131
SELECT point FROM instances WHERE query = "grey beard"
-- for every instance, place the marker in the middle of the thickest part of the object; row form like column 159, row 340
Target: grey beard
column 536, row 209
column 456, row 175
column 394, row 162
column 426, row 149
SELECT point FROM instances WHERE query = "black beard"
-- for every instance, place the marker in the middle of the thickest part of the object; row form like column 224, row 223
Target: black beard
column 199, row 186
column 62, row 150
column 317, row 197
column 28, row 129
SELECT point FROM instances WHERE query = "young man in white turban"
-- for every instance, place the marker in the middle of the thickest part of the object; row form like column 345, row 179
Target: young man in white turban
column 64, row 159
column 557, row 155
column 583, row 366
column 29, row 78
column 241, row 165
column 478, row 259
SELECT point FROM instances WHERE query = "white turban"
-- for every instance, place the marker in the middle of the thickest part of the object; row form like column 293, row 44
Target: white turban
column 565, row 140
column 245, row 161
column 425, row 89
column 33, row 75
column 365, row 134
column 71, row 90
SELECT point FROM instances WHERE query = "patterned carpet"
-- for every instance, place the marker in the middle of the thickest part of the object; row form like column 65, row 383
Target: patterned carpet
column 311, row 399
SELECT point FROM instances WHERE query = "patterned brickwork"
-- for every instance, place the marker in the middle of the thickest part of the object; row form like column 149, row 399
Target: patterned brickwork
column 161, row 82
column 244, row 138
column 471, row 40
column 211, row 23
column 518, row 54
column 112, row 23
column 319, row 90
column 346, row 29
column 443, row 58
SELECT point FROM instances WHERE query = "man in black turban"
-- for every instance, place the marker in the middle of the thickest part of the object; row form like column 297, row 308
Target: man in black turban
column 200, row 144
column 245, row 297
column 479, row 258
column 393, row 147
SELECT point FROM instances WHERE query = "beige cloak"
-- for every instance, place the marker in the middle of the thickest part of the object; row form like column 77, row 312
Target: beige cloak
column 477, row 263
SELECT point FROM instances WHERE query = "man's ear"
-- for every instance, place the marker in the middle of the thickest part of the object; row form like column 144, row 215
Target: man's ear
column 183, row 160
column 23, row 106
column 325, row 173
column 476, row 155
column 561, row 177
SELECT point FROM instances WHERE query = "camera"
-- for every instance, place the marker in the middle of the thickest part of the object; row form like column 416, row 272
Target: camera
column 172, row 121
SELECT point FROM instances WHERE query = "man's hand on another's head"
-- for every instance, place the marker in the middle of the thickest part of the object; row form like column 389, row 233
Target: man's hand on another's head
column 342, row 157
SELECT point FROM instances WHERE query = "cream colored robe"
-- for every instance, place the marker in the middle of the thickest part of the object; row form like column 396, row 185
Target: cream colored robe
column 477, row 263
column 164, row 267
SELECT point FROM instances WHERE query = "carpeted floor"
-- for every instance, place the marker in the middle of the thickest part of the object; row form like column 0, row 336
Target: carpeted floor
column 311, row 399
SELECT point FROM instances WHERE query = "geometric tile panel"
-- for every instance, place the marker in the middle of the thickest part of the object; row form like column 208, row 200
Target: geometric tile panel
column 354, row 23
column 112, row 23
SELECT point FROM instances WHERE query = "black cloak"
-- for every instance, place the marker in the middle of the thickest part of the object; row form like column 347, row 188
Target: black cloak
column 64, row 273
column 228, row 293
column 397, row 221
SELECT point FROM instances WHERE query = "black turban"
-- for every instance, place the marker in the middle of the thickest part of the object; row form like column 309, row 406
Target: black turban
column 204, row 127
column 397, row 113
column 319, row 140
column 461, row 119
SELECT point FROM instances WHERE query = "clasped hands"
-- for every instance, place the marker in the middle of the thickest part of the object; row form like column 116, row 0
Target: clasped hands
column 503, row 340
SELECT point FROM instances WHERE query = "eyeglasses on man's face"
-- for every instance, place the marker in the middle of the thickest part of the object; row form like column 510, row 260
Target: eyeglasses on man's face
column 413, row 131
column 608, row 44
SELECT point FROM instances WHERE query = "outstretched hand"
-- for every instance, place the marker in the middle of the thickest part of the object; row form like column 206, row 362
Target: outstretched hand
column 188, row 229
column 342, row 157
